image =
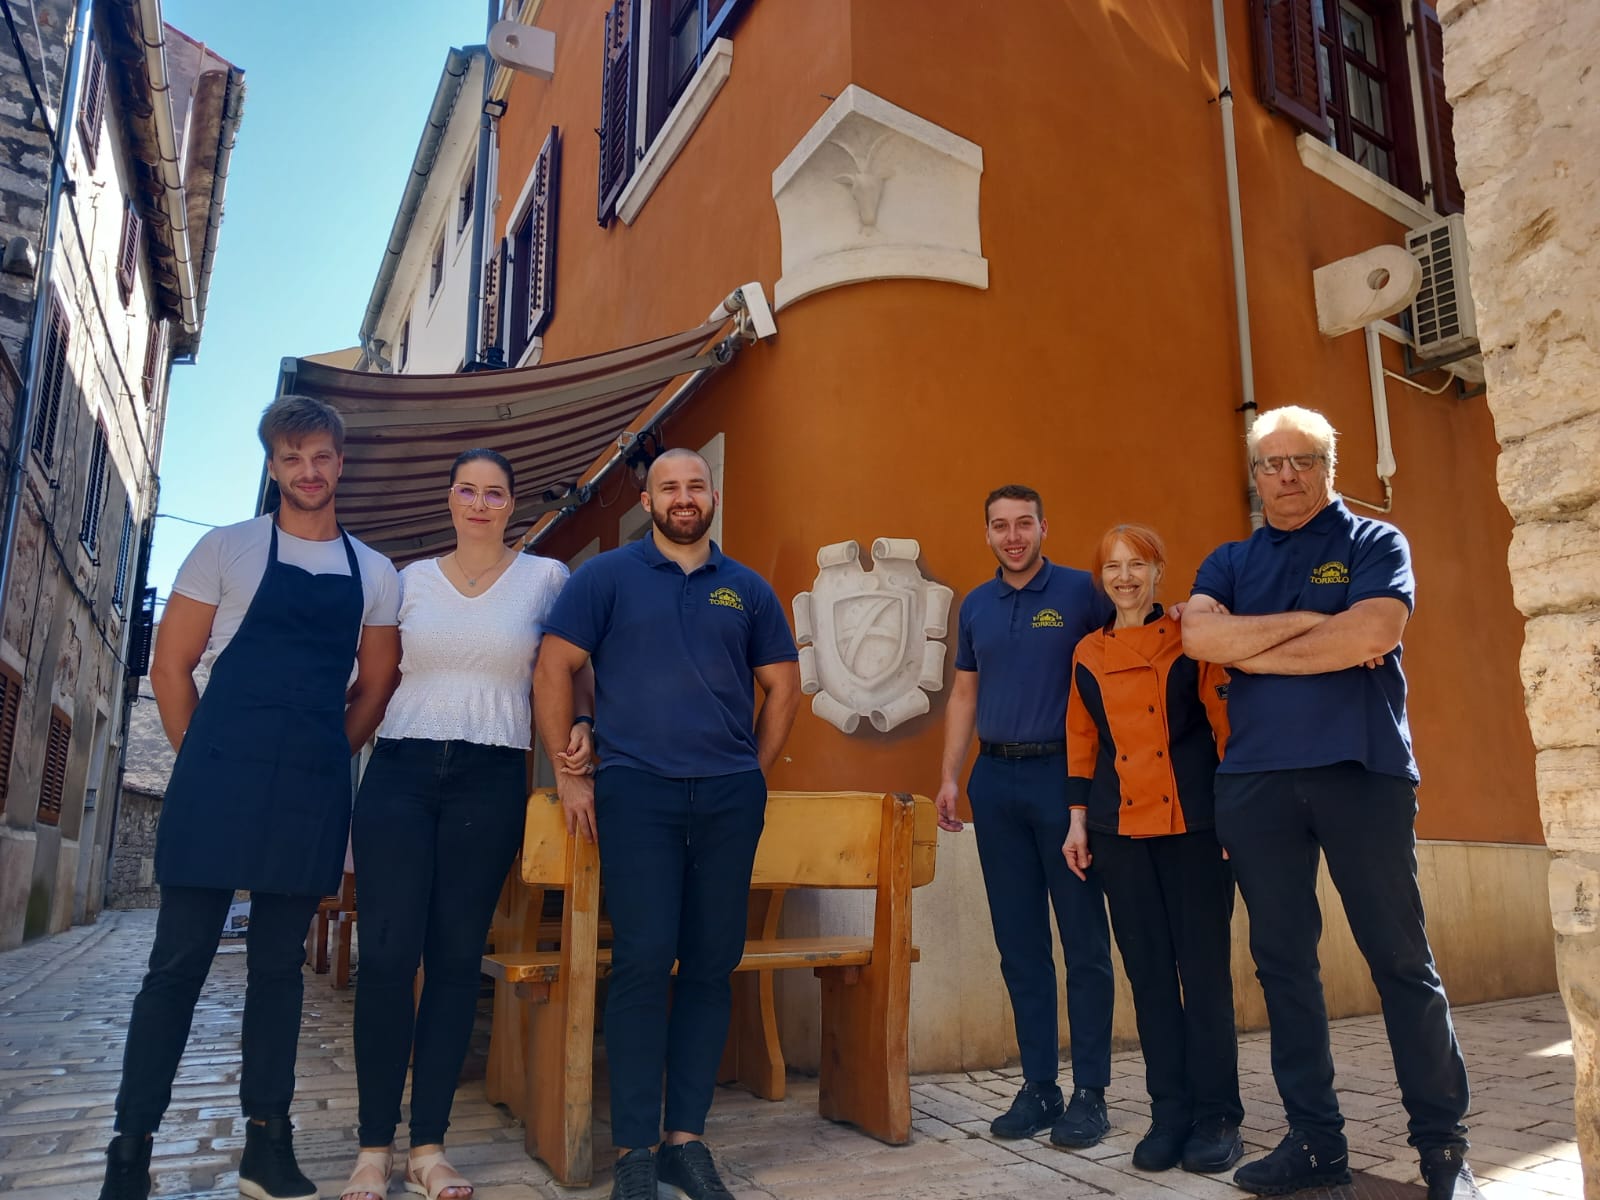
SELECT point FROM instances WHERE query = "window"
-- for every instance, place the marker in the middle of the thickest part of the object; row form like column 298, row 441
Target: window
column 128, row 250
column 10, row 707
column 1339, row 69
column 494, row 272
column 531, row 300
column 55, row 768
column 436, row 269
column 52, row 384
column 92, row 104
column 679, row 33
column 405, row 343
column 94, row 496
column 119, row 590
column 464, row 200
column 155, row 353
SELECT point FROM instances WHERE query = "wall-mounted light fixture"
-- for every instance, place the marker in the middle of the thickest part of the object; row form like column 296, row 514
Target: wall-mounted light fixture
column 494, row 108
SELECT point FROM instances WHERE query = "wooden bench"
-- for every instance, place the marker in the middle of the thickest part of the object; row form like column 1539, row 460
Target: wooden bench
column 541, row 1056
column 337, row 912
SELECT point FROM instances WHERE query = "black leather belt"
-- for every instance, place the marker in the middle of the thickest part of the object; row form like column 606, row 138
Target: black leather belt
column 1021, row 749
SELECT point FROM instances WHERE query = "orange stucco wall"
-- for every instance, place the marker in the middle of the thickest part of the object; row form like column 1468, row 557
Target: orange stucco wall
column 1100, row 366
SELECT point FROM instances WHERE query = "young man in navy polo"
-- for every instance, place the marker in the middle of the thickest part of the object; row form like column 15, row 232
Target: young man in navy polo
column 1308, row 613
column 679, row 634
column 1013, row 672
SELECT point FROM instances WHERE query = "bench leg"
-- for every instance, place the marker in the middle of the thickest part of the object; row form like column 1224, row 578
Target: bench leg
column 864, row 1076
column 344, row 929
column 503, row 1074
column 753, row 1057
column 317, row 943
column 558, row 1053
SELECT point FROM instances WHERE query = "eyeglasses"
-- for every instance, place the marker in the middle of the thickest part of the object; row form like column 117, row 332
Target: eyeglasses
column 1300, row 462
column 468, row 495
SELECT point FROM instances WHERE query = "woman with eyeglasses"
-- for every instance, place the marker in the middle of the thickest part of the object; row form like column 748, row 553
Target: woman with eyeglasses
column 439, row 818
column 1146, row 726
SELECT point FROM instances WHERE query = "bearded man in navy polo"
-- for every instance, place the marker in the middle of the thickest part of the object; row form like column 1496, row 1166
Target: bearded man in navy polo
column 1308, row 613
column 680, row 635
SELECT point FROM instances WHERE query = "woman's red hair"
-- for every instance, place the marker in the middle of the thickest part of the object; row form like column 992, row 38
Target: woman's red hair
column 1146, row 543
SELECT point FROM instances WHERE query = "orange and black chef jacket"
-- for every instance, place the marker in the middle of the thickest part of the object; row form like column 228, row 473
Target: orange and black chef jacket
column 1146, row 726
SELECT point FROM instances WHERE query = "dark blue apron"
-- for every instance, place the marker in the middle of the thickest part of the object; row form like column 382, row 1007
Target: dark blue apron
column 260, row 794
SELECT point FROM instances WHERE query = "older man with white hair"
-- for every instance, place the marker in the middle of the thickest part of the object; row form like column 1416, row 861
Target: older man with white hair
column 1308, row 613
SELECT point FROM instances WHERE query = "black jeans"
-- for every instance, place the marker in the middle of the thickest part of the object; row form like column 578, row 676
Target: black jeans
column 1276, row 825
column 675, row 858
column 1171, row 902
column 436, row 827
column 1020, row 815
column 188, row 927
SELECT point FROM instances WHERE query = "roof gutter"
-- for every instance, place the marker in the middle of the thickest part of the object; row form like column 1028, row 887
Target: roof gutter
column 227, row 137
column 456, row 66
column 154, row 38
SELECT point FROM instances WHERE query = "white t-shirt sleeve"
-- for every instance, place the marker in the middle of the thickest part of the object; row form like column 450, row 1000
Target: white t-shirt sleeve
column 200, row 576
column 380, row 588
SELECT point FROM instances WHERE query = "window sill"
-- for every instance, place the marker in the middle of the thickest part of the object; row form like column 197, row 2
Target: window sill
column 1348, row 175
column 676, row 130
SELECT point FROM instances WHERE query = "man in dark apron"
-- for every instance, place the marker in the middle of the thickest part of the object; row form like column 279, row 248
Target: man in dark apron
column 260, row 795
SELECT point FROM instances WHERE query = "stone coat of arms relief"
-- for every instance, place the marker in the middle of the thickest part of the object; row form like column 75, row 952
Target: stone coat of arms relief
column 871, row 641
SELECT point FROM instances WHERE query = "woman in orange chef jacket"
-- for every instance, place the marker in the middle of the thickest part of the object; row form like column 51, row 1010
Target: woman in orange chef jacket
column 1146, row 727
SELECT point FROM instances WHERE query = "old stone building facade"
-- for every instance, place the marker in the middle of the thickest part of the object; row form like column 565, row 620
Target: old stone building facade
column 1524, row 76
column 103, row 285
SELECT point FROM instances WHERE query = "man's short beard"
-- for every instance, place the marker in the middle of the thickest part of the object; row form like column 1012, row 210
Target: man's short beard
column 663, row 522
column 288, row 497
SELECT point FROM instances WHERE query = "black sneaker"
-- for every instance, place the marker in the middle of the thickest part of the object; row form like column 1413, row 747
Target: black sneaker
column 1161, row 1147
column 687, row 1170
column 267, row 1169
column 127, row 1168
column 635, row 1176
column 1213, row 1145
column 1085, row 1122
column 1448, row 1176
column 1296, row 1163
column 1037, row 1106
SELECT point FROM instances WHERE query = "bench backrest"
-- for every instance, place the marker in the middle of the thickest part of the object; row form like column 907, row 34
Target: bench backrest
column 811, row 839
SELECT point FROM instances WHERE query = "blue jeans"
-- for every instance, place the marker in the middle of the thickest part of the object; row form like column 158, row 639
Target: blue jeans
column 188, row 927
column 1276, row 826
column 436, row 827
column 1019, row 810
column 675, row 860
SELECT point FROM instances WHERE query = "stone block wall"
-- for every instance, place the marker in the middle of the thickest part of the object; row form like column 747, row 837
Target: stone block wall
column 24, row 149
column 133, row 882
column 1524, row 78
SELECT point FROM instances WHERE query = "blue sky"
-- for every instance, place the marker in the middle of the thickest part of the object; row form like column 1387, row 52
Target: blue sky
column 336, row 95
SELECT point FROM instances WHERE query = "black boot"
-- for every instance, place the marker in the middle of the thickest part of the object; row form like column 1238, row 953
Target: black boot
column 127, row 1168
column 267, row 1170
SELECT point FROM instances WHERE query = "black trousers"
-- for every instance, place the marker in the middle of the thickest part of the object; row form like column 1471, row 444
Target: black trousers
column 1171, row 904
column 436, row 827
column 188, row 927
column 1276, row 826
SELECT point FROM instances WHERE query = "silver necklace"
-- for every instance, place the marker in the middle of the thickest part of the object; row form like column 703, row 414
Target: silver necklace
column 472, row 581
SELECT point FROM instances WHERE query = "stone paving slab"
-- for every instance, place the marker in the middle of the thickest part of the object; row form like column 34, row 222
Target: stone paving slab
column 64, row 1004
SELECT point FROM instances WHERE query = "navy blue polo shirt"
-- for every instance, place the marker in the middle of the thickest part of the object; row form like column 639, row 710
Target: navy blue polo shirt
column 1281, row 722
column 674, row 657
column 1020, row 642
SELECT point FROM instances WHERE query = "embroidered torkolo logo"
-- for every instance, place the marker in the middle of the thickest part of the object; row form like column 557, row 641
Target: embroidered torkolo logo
column 725, row 597
column 1331, row 572
column 1048, row 618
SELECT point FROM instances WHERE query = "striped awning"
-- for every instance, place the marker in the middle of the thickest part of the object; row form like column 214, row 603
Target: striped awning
column 558, row 424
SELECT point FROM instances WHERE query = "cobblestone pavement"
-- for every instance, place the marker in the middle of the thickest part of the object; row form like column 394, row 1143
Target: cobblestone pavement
column 64, row 1005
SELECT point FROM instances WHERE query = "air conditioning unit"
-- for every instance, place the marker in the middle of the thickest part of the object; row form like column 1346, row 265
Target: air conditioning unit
column 1443, row 321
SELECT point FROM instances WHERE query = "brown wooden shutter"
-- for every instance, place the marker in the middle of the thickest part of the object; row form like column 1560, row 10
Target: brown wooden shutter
column 92, row 105
column 52, row 383
column 494, row 286
column 55, row 768
column 1447, row 194
column 1287, row 77
column 10, row 706
column 542, row 256
column 128, row 251
column 94, row 496
column 616, row 107
column 155, row 350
